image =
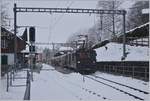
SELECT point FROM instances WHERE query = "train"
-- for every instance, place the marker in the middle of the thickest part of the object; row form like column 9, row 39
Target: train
column 81, row 60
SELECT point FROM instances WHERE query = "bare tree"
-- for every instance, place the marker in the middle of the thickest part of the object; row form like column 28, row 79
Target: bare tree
column 105, row 26
column 4, row 15
column 108, row 22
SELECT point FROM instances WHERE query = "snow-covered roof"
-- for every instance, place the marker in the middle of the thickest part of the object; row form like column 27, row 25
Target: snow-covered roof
column 137, row 32
column 82, row 38
column 100, row 44
column 145, row 11
column 137, row 27
column 65, row 48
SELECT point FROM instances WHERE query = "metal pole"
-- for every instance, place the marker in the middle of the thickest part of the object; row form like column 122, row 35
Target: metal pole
column 124, row 36
column 31, row 62
column 15, row 39
column 10, row 78
column 7, row 81
column 113, row 19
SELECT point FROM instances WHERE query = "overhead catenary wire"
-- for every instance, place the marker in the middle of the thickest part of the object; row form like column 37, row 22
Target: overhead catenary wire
column 58, row 20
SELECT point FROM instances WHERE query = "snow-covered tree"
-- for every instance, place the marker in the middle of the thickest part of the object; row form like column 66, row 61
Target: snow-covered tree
column 4, row 15
column 135, row 16
column 109, row 24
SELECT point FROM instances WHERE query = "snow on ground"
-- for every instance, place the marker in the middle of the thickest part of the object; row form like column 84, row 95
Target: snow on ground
column 114, row 52
column 121, row 79
column 135, row 83
column 14, row 93
column 54, row 86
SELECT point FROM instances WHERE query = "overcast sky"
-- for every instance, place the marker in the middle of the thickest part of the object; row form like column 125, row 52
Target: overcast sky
column 54, row 27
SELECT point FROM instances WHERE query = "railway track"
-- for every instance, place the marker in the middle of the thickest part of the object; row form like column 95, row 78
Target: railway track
column 117, row 88
column 121, row 84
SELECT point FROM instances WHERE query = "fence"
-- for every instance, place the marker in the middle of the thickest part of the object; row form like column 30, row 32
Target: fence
column 139, row 70
column 138, row 41
column 10, row 78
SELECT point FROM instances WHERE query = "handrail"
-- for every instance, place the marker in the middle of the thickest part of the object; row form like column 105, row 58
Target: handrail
column 28, row 86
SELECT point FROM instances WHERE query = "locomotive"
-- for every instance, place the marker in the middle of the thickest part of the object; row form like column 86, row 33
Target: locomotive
column 81, row 60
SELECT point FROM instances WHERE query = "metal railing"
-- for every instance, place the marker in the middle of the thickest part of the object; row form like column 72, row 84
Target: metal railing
column 10, row 77
column 28, row 87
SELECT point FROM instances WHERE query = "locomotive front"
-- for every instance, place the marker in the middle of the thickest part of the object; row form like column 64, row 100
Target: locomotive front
column 86, row 60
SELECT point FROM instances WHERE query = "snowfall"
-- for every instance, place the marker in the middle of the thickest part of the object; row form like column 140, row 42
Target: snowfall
column 54, row 85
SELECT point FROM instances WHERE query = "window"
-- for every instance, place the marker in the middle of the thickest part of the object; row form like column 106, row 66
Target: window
column 3, row 43
column 4, row 59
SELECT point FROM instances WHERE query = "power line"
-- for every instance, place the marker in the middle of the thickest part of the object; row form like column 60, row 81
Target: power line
column 60, row 17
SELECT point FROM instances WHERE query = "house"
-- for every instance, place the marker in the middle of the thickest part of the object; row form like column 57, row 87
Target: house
column 7, row 48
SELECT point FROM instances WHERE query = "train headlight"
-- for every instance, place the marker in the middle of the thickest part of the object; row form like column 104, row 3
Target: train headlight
column 78, row 62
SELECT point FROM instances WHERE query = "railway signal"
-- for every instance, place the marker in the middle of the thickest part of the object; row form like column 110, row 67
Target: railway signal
column 32, row 34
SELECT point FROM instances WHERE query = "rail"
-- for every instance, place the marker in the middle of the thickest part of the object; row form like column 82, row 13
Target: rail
column 114, row 87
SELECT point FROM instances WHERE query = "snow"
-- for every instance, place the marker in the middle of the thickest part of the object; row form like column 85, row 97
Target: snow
column 123, row 80
column 54, row 86
column 65, row 48
column 145, row 11
column 25, row 50
column 114, row 53
column 14, row 93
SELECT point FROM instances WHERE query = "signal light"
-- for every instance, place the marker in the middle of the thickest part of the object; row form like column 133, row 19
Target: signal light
column 32, row 48
column 32, row 34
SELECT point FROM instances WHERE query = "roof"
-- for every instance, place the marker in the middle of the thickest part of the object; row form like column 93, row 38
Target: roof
column 100, row 44
column 9, row 37
column 137, row 32
column 5, row 32
column 141, row 31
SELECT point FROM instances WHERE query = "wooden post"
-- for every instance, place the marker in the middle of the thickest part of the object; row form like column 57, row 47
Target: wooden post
column 123, row 69
column 145, row 73
column 142, row 42
column 115, row 70
column 132, row 71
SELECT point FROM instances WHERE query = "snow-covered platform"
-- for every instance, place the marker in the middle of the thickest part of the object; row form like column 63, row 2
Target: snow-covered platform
column 52, row 85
